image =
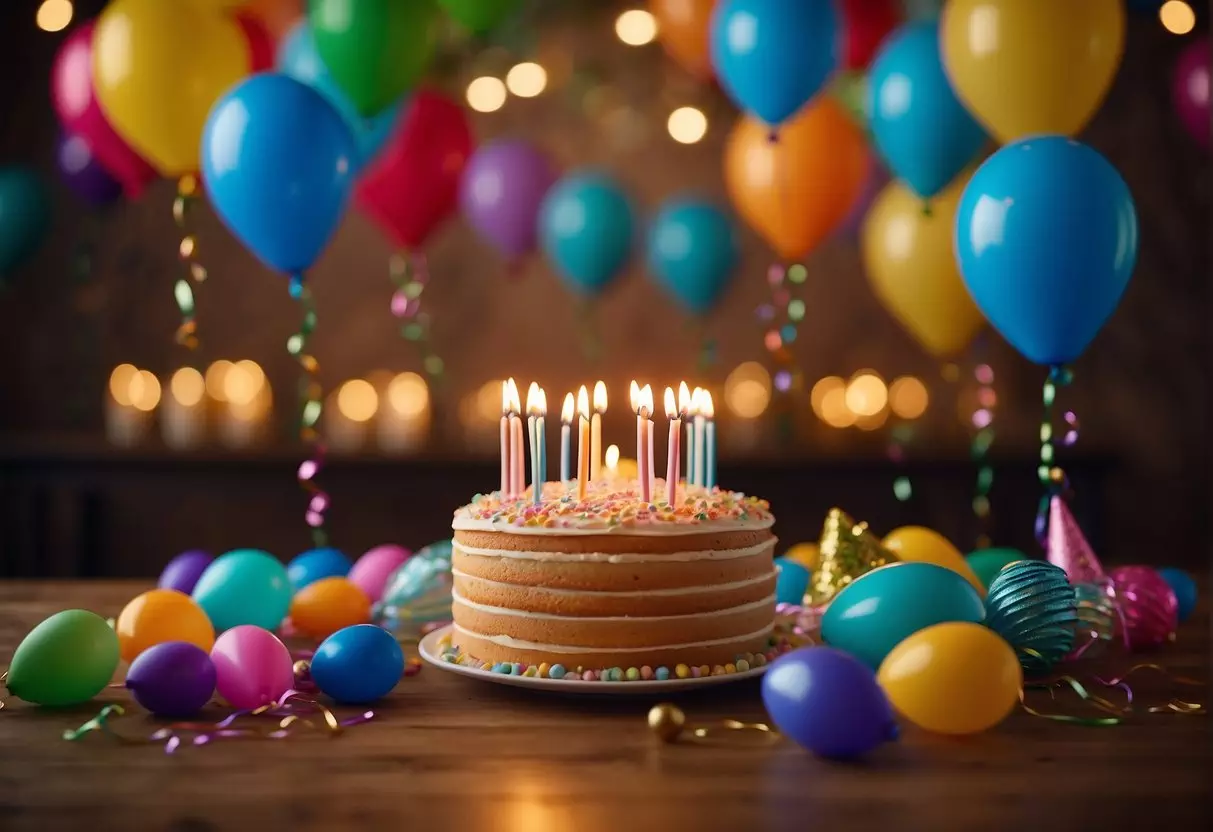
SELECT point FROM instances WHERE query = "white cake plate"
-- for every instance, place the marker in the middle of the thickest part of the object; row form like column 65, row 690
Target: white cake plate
column 432, row 654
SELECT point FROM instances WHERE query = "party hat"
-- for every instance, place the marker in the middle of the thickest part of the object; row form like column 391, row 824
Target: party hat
column 1068, row 548
column 847, row 551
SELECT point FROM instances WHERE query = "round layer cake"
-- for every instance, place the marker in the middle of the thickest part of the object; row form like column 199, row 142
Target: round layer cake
column 612, row 581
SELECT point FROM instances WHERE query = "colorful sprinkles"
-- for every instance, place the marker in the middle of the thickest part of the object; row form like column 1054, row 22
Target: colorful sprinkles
column 611, row 504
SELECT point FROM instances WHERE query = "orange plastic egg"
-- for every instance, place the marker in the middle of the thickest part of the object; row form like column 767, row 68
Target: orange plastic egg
column 325, row 606
column 161, row 615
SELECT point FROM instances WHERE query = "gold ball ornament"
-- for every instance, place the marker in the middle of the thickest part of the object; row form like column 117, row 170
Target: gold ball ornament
column 303, row 671
column 667, row 721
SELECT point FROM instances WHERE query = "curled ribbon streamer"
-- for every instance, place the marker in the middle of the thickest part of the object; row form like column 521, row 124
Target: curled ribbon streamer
column 983, row 422
column 734, row 732
column 410, row 274
column 781, row 317
column 1052, row 476
column 311, row 395
column 4, row 697
column 187, row 249
column 101, row 722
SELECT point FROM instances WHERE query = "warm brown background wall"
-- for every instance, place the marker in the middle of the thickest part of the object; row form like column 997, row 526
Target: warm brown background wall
column 1142, row 391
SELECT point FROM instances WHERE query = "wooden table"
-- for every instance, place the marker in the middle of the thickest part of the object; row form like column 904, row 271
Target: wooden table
column 452, row 753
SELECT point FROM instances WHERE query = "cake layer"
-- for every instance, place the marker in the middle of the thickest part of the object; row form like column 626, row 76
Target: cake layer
column 635, row 602
column 505, row 649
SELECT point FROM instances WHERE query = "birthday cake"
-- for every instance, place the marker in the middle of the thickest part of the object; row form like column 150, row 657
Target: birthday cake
column 614, row 582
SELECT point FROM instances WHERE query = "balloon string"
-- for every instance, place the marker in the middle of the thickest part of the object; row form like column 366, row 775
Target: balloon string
column 311, row 395
column 409, row 275
column 187, row 250
column 1052, row 477
column 587, row 326
column 982, row 420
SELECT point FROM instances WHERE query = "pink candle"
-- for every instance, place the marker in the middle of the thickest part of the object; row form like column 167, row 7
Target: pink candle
column 650, row 471
column 517, row 453
column 673, row 447
column 505, row 439
column 642, row 403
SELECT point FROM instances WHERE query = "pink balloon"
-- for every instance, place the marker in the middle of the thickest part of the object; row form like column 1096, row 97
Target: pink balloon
column 371, row 571
column 80, row 113
column 1190, row 90
column 252, row 667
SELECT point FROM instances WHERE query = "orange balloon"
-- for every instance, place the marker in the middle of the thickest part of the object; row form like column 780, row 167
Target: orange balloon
column 326, row 606
column 278, row 16
column 683, row 26
column 797, row 188
column 161, row 615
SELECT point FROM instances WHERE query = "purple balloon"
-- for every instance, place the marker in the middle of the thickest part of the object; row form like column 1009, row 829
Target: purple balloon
column 502, row 189
column 173, row 678
column 1190, row 90
column 829, row 702
column 183, row 571
column 83, row 172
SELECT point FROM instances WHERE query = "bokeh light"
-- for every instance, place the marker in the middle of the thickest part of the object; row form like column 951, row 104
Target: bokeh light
column 526, row 80
column 687, row 125
column 145, row 391
column 611, row 458
column 866, row 394
column 636, row 27
column 834, row 411
column 216, row 379
column 409, row 395
column 1177, row 17
column 908, row 397
column 242, row 382
column 747, row 390
column 486, row 94
column 357, row 400
column 823, row 388
column 187, row 386
column 120, row 383
column 54, row 15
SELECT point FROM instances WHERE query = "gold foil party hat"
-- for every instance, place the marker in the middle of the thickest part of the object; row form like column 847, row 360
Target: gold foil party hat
column 848, row 551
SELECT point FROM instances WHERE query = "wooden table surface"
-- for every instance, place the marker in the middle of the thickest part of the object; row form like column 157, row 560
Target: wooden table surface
column 451, row 753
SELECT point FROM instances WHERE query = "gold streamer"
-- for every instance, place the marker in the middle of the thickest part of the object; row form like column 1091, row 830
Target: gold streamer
column 668, row 722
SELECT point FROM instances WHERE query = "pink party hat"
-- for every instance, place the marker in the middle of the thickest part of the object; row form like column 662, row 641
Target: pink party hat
column 1068, row 548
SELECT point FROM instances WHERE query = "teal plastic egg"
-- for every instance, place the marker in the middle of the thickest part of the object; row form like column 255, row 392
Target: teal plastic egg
column 878, row 611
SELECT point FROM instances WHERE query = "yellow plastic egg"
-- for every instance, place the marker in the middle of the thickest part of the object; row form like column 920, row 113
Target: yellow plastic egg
column 922, row 545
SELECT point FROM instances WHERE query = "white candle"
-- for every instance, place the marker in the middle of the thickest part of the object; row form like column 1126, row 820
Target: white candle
column 649, row 473
column 700, row 456
column 600, row 406
column 673, row 456
column 709, row 415
column 566, row 425
column 517, row 451
column 642, row 403
column 583, row 442
column 536, row 408
column 506, row 465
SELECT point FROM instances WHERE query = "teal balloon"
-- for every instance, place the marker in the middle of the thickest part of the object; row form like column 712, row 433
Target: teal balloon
column 693, row 252
column 1184, row 587
column 419, row 591
column 245, row 586
column 987, row 563
column 792, row 581
column 1032, row 605
column 875, row 613
column 67, row 659
column 25, row 213
column 585, row 230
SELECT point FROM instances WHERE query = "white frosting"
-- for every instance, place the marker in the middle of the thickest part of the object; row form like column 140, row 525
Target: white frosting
column 638, row 593
column 769, row 601
column 473, row 524
column 519, row 644
column 599, row 557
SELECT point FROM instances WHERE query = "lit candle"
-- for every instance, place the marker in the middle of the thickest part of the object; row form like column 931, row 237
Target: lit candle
column 646, row 397
column 687, row 404
column 634, row 400
column 566, row 424
column 698, row 397
column 506, row 465
column 673, row 447
column 536, row 409
column 517, row 452
column 600, row 406
column 610, row 462
column 583, row 442
column 709, row 416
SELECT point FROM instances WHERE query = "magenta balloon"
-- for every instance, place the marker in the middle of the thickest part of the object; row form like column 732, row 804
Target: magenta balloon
column 502, row 189
column 371, row 571
column 1190, row 90
column 252, row 667
column 80, row 113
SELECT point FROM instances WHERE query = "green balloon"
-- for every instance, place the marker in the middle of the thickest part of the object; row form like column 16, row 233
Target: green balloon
column 376, row 50
column 67, row 659
column 989, row 562
column 479, row 16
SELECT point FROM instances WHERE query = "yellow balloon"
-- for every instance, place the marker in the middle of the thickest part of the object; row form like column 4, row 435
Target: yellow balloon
column 1025, row 67
column 953, row 678
column 158, row 68
column 907, row 254
column 806, row 554
column 922, row 545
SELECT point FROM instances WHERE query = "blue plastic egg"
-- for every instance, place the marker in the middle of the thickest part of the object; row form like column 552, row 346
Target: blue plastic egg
column 792, row 582
column 316, row 564
column 358, row 664
column 1183, row 586
column 878, row 611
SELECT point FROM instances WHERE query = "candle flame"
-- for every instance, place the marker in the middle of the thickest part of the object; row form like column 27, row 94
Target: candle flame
column 583, row 403
column 612, row 457
column 671, row 406
column 566, row 412
column 510, row 404
column 600, row 397
column 684, row 399
column 646, row 400
column 536, row 401
column 706, row 407
column 634, row 396
column 696, row 407
column 505, row 398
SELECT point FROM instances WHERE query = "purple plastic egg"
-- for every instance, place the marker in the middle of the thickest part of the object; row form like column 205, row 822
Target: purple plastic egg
column 174, row 679
column 183, row 571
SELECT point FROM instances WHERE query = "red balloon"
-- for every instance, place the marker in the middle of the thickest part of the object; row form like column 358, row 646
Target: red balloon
column 80, row 113
column 260, row 44
column 412, row 186
column 865, row 23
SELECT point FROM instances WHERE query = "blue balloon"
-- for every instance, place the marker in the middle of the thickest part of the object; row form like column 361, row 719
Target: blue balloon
column 585, row 229
column 875, row 613
column 244, row 586
column 792, row 582
column 1046, row 240
column 278, row 163
column 918, row 124
column 828, row 702
column 358, row 664
column 693, row 251
column 1184, row 587
column 315, row 564
column 772, row 56
column 25, row 213
column 298, row 58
